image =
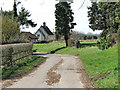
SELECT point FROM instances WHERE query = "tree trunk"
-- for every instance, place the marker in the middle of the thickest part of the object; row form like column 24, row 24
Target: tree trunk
column 66, row 41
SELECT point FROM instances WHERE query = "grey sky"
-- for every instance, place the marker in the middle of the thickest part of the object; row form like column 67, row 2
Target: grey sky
column 43, row 11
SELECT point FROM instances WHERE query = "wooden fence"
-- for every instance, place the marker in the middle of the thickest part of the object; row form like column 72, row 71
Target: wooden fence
column 14, row 53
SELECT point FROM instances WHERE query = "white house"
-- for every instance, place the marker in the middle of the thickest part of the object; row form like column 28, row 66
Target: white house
column 44, row 33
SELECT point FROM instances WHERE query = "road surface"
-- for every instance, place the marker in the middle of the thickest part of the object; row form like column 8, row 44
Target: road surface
column 58, row 71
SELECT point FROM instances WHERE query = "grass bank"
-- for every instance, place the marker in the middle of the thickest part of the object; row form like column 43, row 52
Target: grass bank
column 102, row 66
column 22, row 67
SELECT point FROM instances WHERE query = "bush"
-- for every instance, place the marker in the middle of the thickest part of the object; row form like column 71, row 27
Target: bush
column 104, row 42
column 10, row 29
column 44, row 42
column 22, row 64
column 71, row 42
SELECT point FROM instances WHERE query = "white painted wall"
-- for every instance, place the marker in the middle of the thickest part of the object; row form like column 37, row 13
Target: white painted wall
column 41, row 38
column 46, row 35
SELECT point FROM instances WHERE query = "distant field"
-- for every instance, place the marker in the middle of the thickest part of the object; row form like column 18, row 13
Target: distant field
column 47, row 48
column 102, row 66
column 88, row 41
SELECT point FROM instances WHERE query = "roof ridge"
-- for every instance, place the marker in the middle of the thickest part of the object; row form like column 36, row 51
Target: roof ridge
column 47, row 30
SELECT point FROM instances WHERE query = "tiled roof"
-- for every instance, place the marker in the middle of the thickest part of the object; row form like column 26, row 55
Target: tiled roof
column 29, row 34
column 47, row 30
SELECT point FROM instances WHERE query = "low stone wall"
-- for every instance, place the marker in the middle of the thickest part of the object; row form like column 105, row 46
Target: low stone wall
column 14, row 53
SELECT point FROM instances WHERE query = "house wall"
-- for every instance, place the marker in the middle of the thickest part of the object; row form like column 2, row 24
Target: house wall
column 41, row 37
column 46, row 35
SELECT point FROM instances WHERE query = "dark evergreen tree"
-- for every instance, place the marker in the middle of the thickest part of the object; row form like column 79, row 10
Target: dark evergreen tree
column 15, row 9
column 22, row 16
column 92, row 14
column 64, row 20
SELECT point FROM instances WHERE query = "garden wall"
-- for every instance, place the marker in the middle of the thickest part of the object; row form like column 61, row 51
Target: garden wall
column 14, row 53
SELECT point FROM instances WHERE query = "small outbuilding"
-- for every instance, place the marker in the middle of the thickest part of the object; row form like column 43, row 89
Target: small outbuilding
column 29, row 36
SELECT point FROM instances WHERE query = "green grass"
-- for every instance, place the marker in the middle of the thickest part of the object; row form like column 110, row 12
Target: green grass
column 47, row 48
column 86, row 42
column 97, row 62
column 21, row 68
column 94, row 60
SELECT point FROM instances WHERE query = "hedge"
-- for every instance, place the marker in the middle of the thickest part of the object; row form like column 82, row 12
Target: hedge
column 14, row 53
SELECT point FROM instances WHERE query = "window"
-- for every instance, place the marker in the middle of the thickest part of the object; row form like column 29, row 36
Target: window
column 38, row 35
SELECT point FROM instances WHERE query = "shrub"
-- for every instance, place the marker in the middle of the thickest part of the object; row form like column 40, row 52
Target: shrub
column 104, row 42
column 21, row 64
column 71, row 42
column 10, row 29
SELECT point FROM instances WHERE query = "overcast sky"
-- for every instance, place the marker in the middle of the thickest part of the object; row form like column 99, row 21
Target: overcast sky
column 43, row 11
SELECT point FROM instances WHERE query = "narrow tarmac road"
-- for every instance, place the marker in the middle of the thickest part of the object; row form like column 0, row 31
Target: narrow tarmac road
column 59, row 71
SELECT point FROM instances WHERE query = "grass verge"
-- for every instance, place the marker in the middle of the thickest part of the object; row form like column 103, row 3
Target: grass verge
column 101, row 65
column 22, row 67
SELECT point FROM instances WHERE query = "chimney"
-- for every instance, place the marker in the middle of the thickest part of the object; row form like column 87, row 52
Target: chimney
column 44, row 24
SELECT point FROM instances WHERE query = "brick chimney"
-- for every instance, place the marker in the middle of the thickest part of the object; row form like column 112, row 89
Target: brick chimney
column 44, row 24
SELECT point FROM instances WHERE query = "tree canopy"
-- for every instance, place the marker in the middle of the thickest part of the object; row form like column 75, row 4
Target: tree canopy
column 104, row 16
column 22, row 15
column 64, row 20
